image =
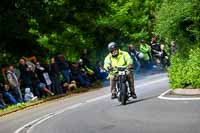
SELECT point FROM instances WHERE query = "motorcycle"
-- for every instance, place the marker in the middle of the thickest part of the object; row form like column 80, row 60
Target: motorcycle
column 122, row 87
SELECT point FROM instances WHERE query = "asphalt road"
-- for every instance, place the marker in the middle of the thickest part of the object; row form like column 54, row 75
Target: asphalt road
column 95, row 112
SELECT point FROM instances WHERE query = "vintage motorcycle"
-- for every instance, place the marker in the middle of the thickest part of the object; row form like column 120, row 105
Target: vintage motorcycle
column 122, row 86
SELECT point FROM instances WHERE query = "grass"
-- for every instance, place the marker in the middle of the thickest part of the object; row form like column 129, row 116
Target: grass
column 21, row 106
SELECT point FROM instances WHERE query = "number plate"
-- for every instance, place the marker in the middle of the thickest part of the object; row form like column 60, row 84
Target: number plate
column 121, row 73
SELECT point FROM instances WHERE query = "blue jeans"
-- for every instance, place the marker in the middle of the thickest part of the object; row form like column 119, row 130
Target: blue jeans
column 10, row 97
column 81, row 80
column 66, row 75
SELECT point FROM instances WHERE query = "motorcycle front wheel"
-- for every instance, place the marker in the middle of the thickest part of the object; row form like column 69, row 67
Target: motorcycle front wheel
column 123, row 94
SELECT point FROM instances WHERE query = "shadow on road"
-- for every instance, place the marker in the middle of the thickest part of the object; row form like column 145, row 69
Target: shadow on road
column 140, row 100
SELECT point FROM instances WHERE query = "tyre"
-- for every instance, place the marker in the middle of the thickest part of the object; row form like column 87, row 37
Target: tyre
column 123, row 94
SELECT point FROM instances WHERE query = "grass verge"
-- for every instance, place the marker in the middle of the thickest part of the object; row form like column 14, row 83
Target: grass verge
column 21, row 106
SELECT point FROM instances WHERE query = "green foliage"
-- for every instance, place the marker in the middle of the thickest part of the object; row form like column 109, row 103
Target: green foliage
column 184, row 73
column 179, row 20
column 131, row 19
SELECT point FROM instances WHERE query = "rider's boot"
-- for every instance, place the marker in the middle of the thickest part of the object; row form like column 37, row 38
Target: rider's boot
column 134, row 96
column 113, row 95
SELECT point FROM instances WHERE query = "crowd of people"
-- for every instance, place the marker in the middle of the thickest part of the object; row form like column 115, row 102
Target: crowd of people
column 35, row 80
column 147, row 56
column 151, row 55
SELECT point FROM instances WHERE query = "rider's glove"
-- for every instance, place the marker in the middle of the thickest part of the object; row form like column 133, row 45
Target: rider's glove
column 110, row 68
column 130, row 66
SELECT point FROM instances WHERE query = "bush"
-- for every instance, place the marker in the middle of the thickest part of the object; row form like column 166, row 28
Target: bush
column 185, row 73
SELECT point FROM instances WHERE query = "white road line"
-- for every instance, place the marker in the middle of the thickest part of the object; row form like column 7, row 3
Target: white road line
column 30, row 130
column 30, row 123
column 69, row 108
column 162, row 96
column 98, row 98
column 40, row 120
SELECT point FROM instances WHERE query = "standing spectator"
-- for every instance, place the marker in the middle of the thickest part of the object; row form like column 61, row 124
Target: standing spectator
column 14, row 83
column 85, row 57
column 135, row 56
column 24, row 78
column 63, row 67
column 164, row 57
column 156, row 51
column 55, row 77
column 145, row 49
column 173, row 47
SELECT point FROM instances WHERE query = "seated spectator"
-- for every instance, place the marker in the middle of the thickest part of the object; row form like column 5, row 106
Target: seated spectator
column 2, row 102
column 29, row 95
column 14, row 83
column 86, row 71
column 4, row 90
column 43, row 75
column 100, row 72
column 39, row 87
column 78, row 76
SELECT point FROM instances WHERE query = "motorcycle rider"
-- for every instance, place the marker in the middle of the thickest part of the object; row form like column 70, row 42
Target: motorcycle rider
column 115, row 58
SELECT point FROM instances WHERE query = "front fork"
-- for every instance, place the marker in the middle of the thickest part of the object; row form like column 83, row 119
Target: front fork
column 122, row 86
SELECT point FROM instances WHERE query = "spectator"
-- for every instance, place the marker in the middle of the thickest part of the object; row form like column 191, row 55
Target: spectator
column 164, row 57
column 173, row 47
column 29, row 95
column 85, row 57
column 156, row 51
column 145, row 50
column 63, row 66
column 43, row 75
column 55, row 77
column 4, row 89
column 39, row 87
column 14, row 83
column 24, row 78
column 135, row 56
column 78, row 76
column 2, row 102
column 87, row 72
column 100, row 72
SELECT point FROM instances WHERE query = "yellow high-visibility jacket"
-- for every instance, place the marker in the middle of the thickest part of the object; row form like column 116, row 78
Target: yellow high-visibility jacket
column 123, row 59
